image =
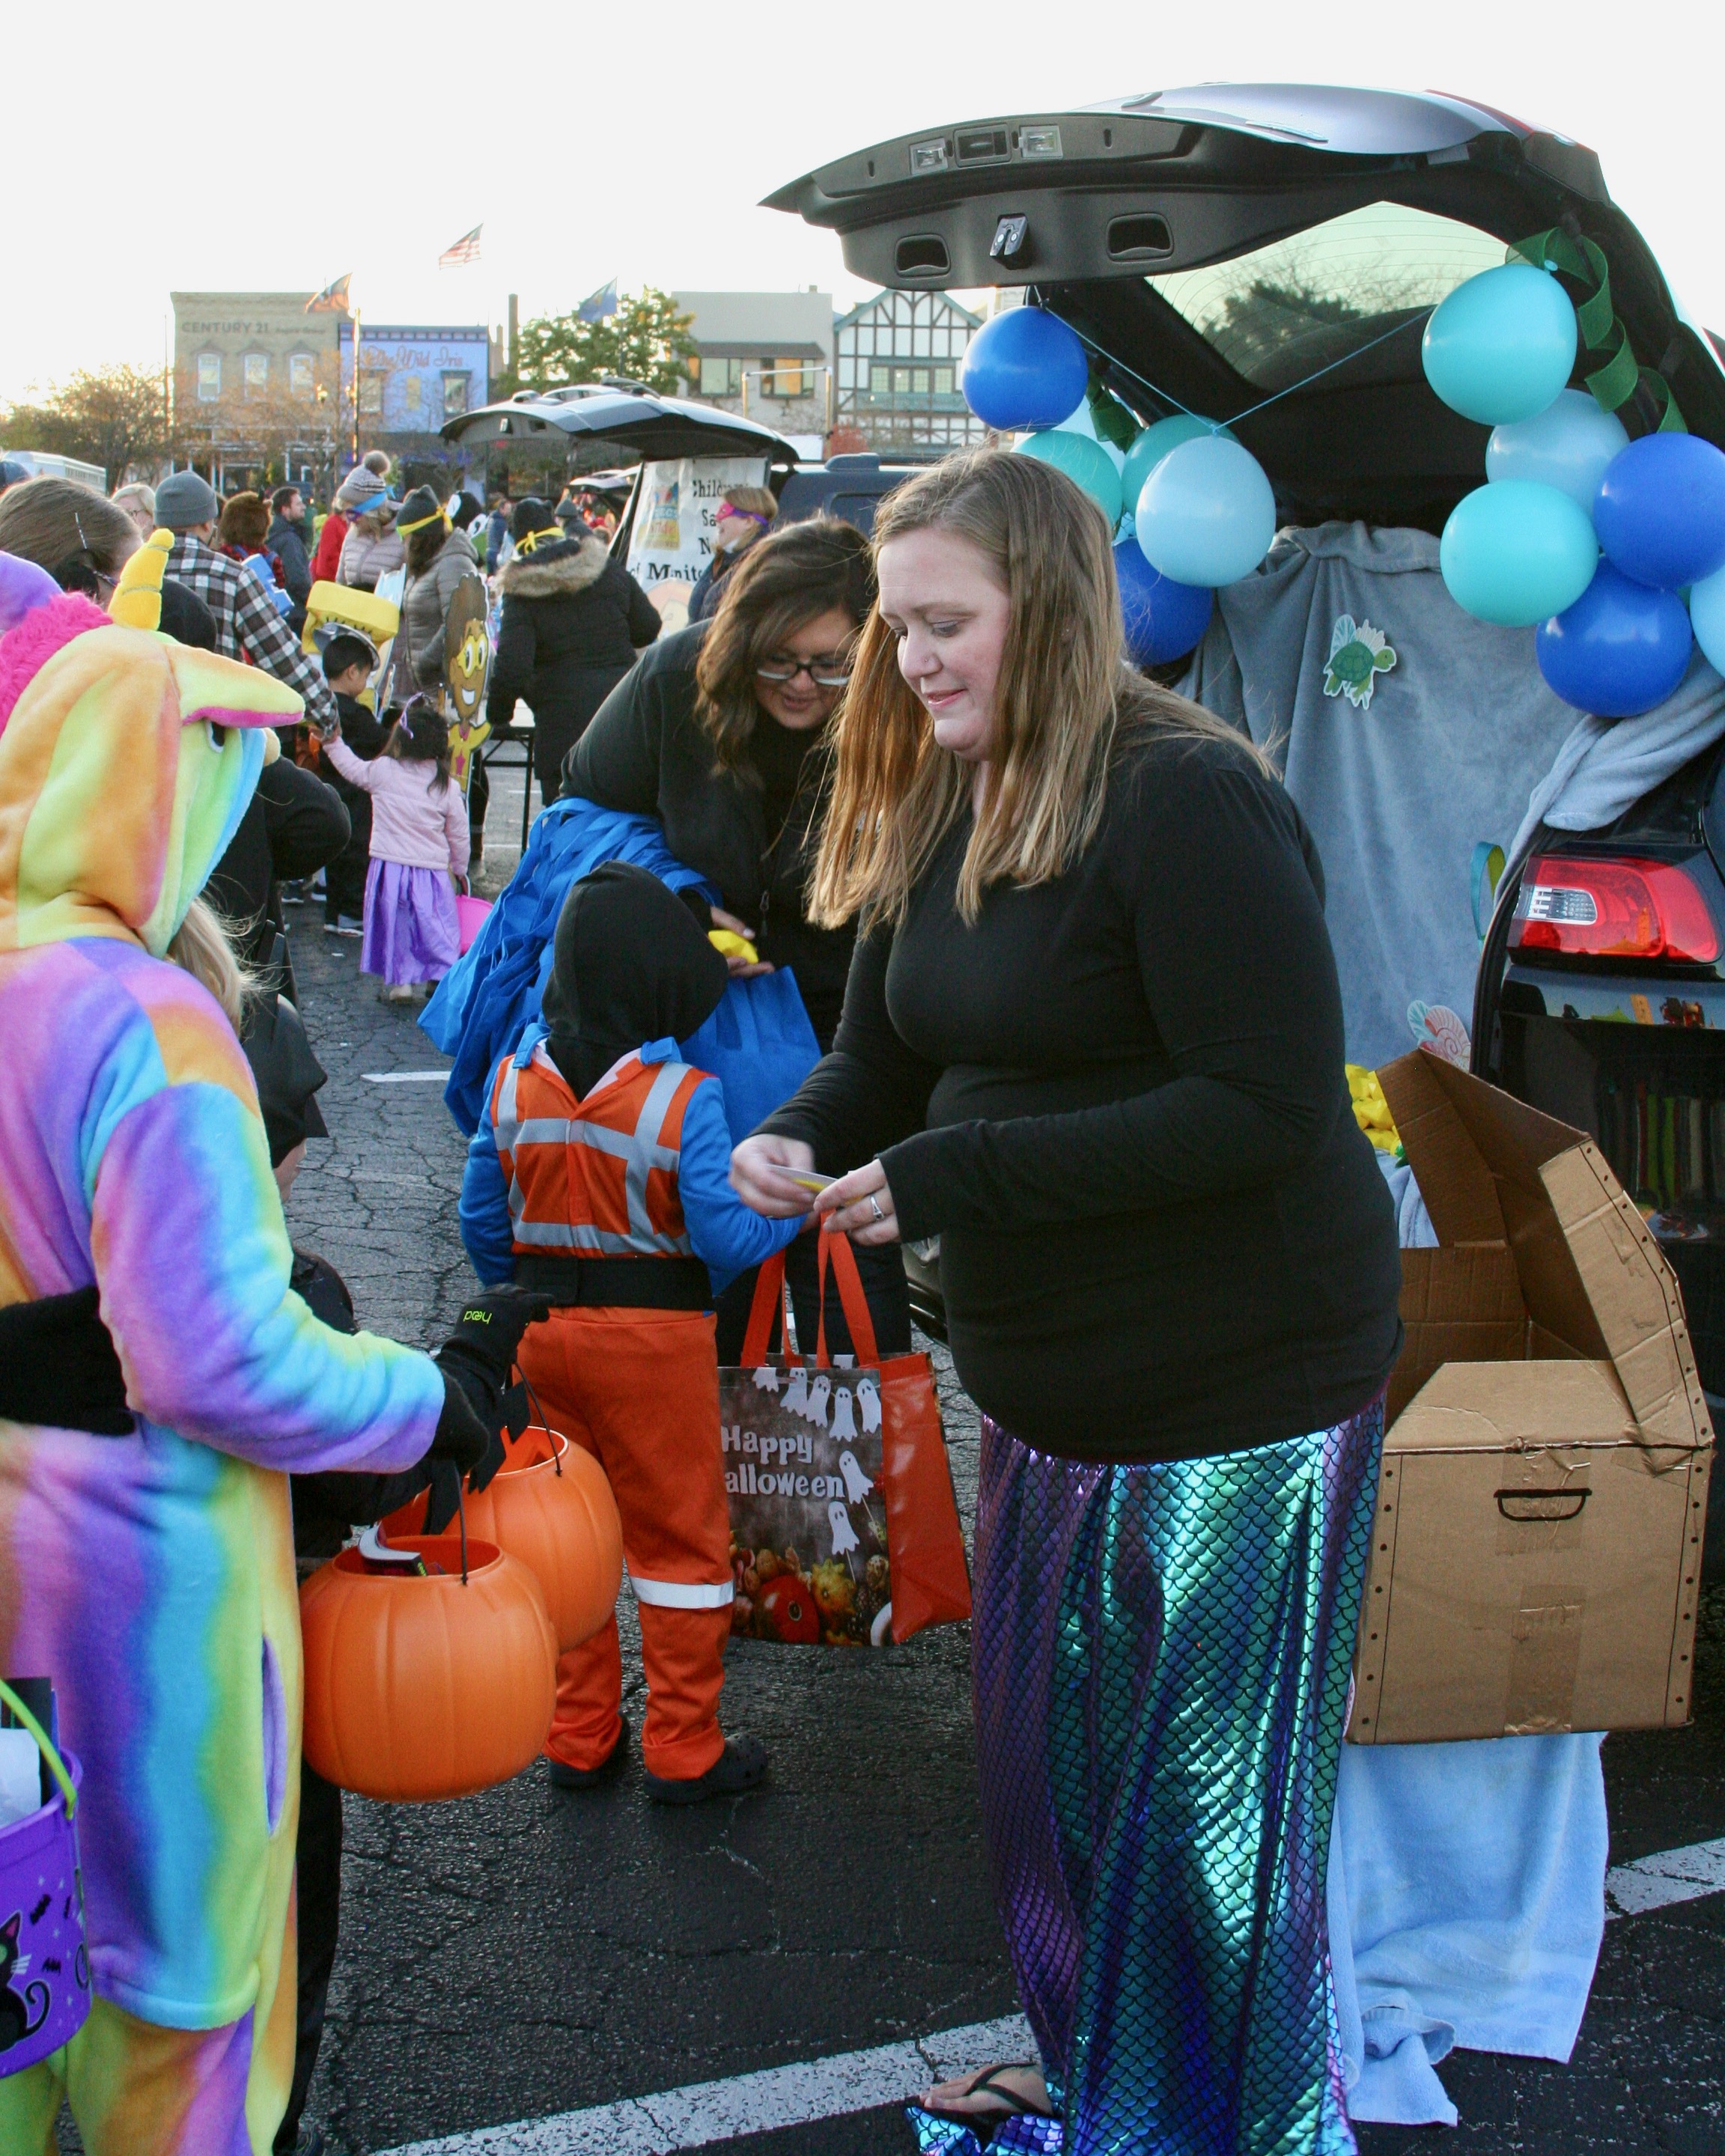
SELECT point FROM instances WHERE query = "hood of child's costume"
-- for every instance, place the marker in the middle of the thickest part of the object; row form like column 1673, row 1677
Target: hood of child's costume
column 629, row 964
column 126, row 760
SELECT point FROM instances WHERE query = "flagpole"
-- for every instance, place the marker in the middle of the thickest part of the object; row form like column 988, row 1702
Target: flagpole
column 356, row 332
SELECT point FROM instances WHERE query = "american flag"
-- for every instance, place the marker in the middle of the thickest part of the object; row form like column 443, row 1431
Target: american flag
column 465, row 249
column 333, row 298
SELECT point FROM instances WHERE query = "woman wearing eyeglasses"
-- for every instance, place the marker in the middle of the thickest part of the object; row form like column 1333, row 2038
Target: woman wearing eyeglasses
column 573, row 622
column 719, row 733
column 742, row 519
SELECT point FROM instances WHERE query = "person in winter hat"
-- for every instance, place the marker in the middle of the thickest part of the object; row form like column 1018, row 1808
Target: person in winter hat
column 372, row 546
column 148, row 1548
column 573, row 621
column 599, row 1177
column 439, row 560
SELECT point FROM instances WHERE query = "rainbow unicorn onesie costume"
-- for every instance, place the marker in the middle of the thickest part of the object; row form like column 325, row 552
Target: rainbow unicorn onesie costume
column 152, row 1576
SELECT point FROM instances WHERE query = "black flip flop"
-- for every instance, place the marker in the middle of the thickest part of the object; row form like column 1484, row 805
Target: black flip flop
column 984, row 2084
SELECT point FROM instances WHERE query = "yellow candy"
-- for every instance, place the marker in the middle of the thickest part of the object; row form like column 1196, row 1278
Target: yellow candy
column 729, row 945
column 1371, row 1110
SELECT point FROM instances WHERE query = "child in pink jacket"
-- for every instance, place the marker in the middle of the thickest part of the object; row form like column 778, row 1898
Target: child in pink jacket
column 418, row 852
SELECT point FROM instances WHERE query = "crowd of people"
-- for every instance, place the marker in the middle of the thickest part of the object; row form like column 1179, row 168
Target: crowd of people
column 917, row 772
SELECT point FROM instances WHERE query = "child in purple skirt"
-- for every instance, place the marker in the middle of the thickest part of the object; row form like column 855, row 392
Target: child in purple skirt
column 418, row 852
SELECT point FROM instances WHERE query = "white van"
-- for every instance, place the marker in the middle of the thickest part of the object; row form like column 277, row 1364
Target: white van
column 40, row 464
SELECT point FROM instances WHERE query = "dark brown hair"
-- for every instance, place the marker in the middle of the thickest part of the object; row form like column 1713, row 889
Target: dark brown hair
column 245, row 522
column 422, row 546
column 786, row 579
column 421, row 736
column 58, row 524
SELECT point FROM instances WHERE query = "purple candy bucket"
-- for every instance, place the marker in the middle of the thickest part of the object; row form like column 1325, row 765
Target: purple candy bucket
column 44, row 1969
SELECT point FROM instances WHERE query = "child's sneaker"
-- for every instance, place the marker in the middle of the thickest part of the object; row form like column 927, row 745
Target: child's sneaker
column 738, row 1768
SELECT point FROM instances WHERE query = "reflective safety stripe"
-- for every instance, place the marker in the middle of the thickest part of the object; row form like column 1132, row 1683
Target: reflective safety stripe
column 640, row 1152
column 682, row 1593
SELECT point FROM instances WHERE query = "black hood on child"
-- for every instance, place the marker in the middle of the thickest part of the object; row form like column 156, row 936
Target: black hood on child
column 629, row 964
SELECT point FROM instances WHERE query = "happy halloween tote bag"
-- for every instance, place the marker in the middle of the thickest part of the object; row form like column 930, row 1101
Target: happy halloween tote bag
column 844, row 1528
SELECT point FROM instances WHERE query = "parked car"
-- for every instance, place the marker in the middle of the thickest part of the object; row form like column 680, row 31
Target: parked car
column 1143, row 223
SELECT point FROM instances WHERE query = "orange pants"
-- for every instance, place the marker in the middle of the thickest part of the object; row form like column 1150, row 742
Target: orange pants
column 639, row 1390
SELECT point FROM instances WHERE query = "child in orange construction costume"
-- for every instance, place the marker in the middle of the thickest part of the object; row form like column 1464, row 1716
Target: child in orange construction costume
column 599, row 1176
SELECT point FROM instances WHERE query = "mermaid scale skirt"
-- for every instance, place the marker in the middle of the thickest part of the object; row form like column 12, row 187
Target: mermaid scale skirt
column 1161, row 1658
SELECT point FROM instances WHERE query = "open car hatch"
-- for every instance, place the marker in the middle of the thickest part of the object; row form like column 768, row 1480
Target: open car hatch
column 1222, row 247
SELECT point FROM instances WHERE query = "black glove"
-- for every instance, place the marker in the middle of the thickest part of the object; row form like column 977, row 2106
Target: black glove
column 465, row 1448
column 481, row 1352
column 58, row 1366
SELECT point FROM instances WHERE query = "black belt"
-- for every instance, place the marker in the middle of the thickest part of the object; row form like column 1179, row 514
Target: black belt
column 615, row 1283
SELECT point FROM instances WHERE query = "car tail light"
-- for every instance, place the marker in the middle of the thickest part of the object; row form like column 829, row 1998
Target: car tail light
column 1612, row 909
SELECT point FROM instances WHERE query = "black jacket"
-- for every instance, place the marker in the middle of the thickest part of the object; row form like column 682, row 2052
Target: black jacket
column 569, row 612
column 293, row 824
column 644, row 752
column 288, row 543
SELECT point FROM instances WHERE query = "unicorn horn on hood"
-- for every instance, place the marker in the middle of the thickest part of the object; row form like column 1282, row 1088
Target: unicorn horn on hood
column 136, row 603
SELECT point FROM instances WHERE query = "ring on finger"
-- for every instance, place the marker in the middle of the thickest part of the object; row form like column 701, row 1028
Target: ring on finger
column 875, row 1207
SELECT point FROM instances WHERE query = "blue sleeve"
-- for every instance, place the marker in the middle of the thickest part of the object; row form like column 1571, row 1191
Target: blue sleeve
column 721, row 1228
column 487, row 1233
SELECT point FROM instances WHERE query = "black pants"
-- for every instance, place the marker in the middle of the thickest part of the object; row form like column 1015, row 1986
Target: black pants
column 344, row 881
column 317, row 1858
column 882, row 1271
column 478, row 800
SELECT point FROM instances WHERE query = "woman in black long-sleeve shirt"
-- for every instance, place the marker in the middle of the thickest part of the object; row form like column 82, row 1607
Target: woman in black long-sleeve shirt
column 1093, row 1039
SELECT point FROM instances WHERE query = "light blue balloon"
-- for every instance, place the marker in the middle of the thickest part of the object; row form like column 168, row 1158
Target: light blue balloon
column 1081, row 459
column 1499, row 348
column 1567, row 446
column 1517, row 552
column 1153, row 444
column 1707, row 617
column 1207, row 514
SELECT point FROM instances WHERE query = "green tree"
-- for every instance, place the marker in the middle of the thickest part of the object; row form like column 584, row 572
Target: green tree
column 110, row 416
column 647, row 341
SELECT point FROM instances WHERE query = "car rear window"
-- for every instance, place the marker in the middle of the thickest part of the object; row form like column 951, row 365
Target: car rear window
column 1282, row 311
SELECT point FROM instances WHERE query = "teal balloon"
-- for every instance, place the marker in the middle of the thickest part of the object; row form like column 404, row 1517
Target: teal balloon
column 1706, row 615
column 1517, row 552
column 1081, row 459
column 1501, row 347
column 1153, row 444
column 1568, row 445
column 1207, row 514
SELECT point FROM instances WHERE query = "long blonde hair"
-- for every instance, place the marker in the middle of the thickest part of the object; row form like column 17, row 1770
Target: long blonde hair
column 201, row 948
column 1065, row 696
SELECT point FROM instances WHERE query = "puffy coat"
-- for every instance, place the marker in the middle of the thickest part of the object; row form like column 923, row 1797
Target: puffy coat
column 370, row 551
column 425, row 608
column 572, row 621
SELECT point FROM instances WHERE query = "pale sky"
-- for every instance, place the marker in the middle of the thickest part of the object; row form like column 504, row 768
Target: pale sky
column 150, row 150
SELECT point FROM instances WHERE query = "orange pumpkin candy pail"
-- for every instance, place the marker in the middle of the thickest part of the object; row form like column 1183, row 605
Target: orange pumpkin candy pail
column 550, row 1506
column 418, row 1688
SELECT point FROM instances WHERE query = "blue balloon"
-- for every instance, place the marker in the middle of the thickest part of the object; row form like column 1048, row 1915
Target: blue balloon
column 1706, row 615
column 1153, row 444
column 1207, row 514
column 1567, row 446
column 1661, row 510
column 1163, row 619
column 1500, row 346
column 1621, row 648
column 1025, row 368
column 1081, row 459
column 1515, row 552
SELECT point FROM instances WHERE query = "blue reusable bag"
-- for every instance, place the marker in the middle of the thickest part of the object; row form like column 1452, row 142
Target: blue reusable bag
column 759, row 1045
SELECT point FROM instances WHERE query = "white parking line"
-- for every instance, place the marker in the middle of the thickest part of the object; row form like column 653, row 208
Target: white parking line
column 708, row 2111
column 405, row 1077
column 1675, row 1875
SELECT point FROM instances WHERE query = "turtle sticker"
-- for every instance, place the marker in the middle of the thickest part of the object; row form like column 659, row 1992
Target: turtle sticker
column 1358, row 655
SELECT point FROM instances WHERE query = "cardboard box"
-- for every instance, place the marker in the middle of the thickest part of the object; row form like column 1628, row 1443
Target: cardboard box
column 1536, row 1555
